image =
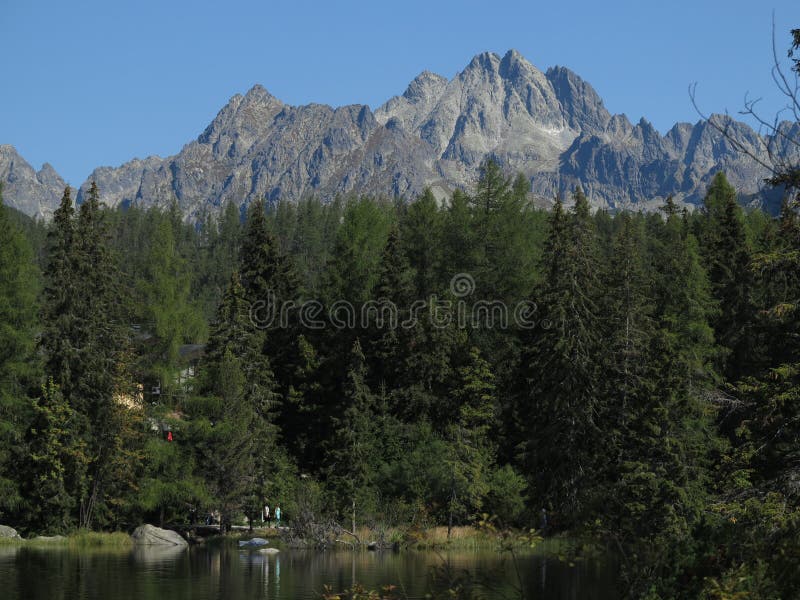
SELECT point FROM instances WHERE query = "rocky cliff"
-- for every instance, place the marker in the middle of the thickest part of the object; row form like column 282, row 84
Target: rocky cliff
column 551, row 126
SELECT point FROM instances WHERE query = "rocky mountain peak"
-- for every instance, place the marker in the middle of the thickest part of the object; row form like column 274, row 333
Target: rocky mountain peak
column 514, row 66
column 583, row 106
column 34, row 193
column 485, row 61
column 552, row 126
column 425, row 86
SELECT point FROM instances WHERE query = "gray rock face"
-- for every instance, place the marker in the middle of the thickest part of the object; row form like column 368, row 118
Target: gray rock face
column 551, row 126
column 9, row 533
column 35, row 194
column 149, row 535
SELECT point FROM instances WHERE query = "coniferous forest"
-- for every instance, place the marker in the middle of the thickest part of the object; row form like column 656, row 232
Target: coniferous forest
column 635, row 377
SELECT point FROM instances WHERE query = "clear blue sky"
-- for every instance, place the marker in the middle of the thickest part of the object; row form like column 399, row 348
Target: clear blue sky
column 86, row 84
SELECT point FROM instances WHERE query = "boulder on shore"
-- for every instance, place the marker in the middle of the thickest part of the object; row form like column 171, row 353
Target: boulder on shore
column 254, row 542
column 9, row 533
column 48, row 538
column 149, row 535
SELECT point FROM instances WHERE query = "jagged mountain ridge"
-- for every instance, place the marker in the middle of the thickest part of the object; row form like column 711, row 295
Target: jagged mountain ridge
column 551, row 126
column 35, row 193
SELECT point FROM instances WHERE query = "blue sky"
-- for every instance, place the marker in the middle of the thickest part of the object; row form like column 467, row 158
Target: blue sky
column 86, row 84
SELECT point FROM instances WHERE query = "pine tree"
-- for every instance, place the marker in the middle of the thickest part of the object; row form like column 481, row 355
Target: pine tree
column 227, row 443
column 171, row 316
column 727, row 253
column 353, row 454
column 269, row 283
column 19, row 365
column 393, row 298
column 103, row 345
column 238, row 373
column 557, row 399
column 471, row 454
column 60, row 302
column 84, row 339
column 57, row 453
column 421, row 231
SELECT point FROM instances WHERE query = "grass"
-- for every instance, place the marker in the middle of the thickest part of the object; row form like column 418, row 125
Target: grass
column 79, row 540
column 95, row 539
column 461, row 538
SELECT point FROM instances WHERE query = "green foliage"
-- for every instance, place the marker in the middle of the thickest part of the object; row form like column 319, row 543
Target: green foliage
column 170, row 315
column 19, row 365
column 559, row 372
column 653, row 406
column 727, row 254
column 57, row 453
column 171, row 488
column 354, row 450
column 353, row 269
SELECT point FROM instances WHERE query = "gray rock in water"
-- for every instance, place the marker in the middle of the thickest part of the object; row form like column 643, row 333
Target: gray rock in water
column 254, row 542
column 149, row 535
column 269, row 551
column 9, row 533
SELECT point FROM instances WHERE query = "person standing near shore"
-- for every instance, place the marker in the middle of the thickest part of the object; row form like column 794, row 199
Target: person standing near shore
column 277, row 516
column 266, row 514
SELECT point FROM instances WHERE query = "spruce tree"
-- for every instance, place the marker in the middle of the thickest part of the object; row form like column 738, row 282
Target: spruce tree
column 269, row 283
column 354, row 451
column 103, row 346
column 57, row 454
column 420, row 235
column 84, row 339
column 727, row 253
column 227, row 445
column 238, row 374
column 170, row 314
column 557, row 395
column 19, row 365
column 471, row 454
column 60, row 303
column 393, row 297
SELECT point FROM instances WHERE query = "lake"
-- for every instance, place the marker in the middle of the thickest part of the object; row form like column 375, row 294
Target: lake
column 225, row 572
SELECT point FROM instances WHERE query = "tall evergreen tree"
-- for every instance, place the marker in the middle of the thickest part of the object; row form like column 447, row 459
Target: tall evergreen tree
column 168, row 311
column 353, row 454
column 269, row 283
column 420, row 231
column 104, row 346
column 57, row 453
column 60, row 303
column 727, row 252
column 19, row 366
column 653, row 420
column 84, row 339
column 471, row 453
column 239, row 375
column 557, row 403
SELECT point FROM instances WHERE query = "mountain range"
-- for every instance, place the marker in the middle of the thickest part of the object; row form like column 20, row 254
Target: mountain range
column 551, row 126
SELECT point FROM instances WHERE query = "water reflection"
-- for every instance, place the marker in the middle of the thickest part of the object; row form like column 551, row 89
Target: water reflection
column 225, row 572
column 157, row 555
column 8, row 553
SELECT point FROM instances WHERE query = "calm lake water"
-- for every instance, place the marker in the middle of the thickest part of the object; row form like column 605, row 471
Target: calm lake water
column 228, row 573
